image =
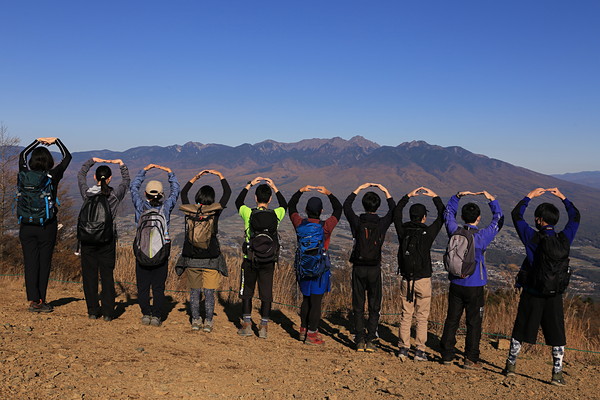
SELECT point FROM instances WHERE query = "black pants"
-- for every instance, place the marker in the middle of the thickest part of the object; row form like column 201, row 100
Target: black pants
column 38, row 244
column 154, row 278
column 250, row 276
column 99, row 259
column 469, row 299
column 310, row 311
column 366, row 279
column 535, row 311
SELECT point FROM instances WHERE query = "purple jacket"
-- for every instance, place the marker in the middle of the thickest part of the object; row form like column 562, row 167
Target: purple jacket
column 483, row 237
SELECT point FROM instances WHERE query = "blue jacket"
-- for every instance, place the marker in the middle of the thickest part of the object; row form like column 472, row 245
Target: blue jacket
column 483, row 237
column 527, row 233
column 141, row 204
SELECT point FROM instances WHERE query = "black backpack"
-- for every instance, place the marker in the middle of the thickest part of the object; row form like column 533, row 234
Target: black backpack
column 550, row 273
column 367, row 243
column 35, row 204
column 95, row 222
column 263, row 242
column 410, row 254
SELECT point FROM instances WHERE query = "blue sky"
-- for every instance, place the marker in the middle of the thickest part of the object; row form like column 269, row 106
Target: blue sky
column 514, row 80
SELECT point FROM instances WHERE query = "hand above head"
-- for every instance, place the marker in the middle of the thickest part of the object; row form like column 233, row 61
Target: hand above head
column 536, row 192
column 270, row 182
column 116, row 161
column 149, row 167
column 557, row 193
column 97, row 160
column 166, row 169
column 323, row 190
column 382, row 188
column 361, row 187
column 415, row 192
column 488, row 196
column 306, row 188
column 428, row 192
column 47, row 141
column 215, row 172
column 467, row 193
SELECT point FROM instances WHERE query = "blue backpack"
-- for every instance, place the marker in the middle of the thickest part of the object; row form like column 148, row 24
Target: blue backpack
column 310, row 259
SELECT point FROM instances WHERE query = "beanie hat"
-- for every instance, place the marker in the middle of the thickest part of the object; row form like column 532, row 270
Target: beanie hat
column 314, row 205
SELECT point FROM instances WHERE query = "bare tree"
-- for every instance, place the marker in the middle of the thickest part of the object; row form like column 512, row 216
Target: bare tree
column 9, row 154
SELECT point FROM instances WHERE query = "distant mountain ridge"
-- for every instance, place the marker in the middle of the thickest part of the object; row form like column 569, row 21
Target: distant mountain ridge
column 587, row 178
column 342, row 165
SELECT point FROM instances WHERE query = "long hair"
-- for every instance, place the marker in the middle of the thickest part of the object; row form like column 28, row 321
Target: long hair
column 103, row 172
column 205, row 195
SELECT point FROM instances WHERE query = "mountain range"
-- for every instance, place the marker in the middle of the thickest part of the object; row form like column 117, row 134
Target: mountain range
column 342, row 165
column 587, row 178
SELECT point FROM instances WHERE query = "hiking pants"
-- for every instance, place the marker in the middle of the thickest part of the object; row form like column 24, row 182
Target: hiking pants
column 310, row 311
column 99, row 259
column 366, row 279
column 250, row 277
column 38, row 245
column 419, row 307
column 154, row 278
column 470, row 299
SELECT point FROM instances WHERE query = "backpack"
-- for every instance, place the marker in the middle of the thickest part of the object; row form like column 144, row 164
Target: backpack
column 459, row 259
column 200, row 223
column 410, row 258
column 95, row 222
column 367, row 244
column 152, row 244
column 263, row 242
column 551, row 273
column 35, row 204
column 310, row 254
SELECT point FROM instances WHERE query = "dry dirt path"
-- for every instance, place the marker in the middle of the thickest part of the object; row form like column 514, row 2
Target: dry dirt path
column 64, row 355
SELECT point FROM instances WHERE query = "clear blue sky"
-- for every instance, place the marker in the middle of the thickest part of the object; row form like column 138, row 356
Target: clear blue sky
column 514, row 80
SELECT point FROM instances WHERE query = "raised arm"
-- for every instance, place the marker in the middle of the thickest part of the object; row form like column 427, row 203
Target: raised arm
column 450, row 214
column 59, row 170
column 572, row 212
column 25, row 153
column 121, row 190
column 489, row 232
column 136, row 184
column 173, row 192
column 82, row 177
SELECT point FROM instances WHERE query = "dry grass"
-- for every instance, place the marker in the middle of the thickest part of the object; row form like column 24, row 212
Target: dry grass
column 581, row 319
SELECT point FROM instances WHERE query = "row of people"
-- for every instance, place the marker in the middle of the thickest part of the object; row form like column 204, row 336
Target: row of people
column 204, row 263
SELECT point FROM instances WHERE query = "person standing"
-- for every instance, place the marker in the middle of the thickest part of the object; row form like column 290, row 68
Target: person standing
column 315, row 286
column 99, row 258
column 541, row 302
column 261, row 251
column 368, row 231
column 467, row 293
column 38, row 180
column 153, row 277
column 201, row 256
column 414, row 264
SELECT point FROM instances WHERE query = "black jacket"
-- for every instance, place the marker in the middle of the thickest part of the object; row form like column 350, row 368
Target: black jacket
column 431, row 231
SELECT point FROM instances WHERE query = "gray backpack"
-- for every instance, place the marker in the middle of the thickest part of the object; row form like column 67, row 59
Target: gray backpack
column 459, row 259
column 152, row 244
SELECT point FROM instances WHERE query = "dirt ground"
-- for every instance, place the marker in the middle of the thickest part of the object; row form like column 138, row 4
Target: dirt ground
column 65, row 355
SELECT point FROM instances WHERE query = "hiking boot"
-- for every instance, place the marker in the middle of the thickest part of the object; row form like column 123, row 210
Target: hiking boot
column 360, row 345
column 262, row 331
column 246, row 329
column 208, row 326
column 314, row 338
column 370, row 347
column 558, row 379
column 40, row 306
column 146, row 319
column 155, row 321
column 420, row 355
column 93, row 316
column 509, row 369
column 302, row 336
column 472, row 365
column 196, row 324
column 107, row 318
column 403, row 353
